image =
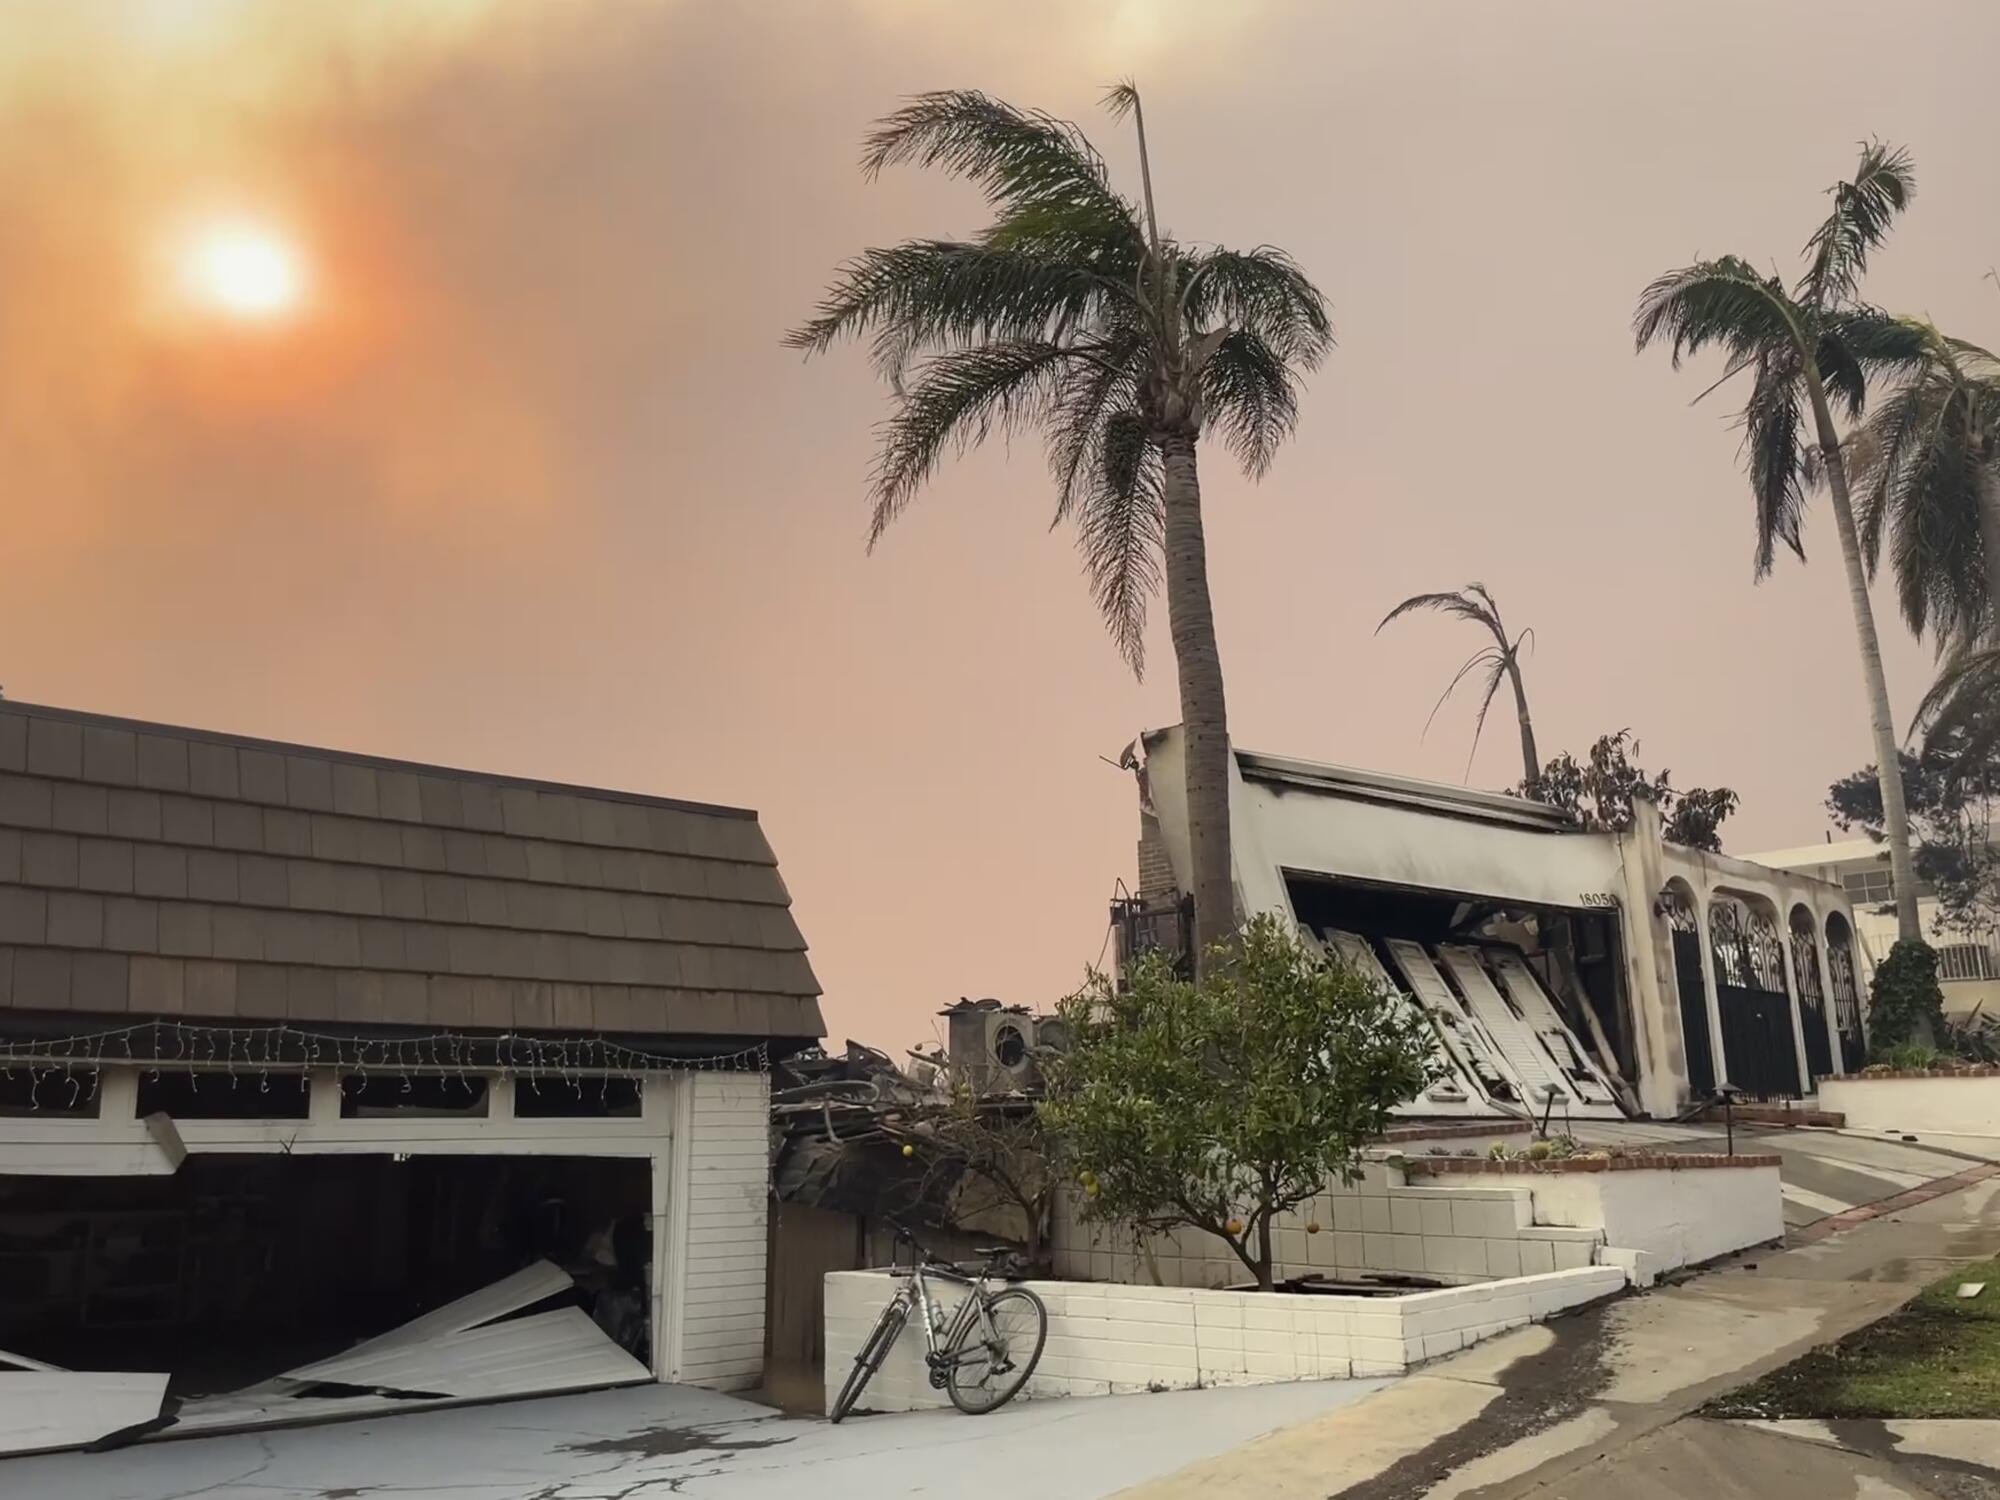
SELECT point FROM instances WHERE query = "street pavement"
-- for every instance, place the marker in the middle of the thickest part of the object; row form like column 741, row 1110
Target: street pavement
column 651, row 1442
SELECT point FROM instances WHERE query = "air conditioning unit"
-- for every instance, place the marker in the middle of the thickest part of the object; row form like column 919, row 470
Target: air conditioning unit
column 992, row 1047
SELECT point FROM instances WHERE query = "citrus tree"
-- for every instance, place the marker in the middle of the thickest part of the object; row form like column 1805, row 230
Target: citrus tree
column 1223, row 1103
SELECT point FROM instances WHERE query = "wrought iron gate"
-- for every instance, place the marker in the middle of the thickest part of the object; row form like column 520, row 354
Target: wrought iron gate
column 1756, row 1011
column 1812, row 995
column 1686, row 928
column 1846, row 996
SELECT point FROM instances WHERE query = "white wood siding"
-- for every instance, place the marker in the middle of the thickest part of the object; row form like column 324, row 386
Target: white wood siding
column 727, row 1165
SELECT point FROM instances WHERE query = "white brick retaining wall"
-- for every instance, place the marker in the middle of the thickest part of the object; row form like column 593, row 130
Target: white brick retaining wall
column 1454, row 1234
column 1107, row 1339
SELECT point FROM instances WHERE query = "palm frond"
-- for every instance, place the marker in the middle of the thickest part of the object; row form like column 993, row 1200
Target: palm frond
column 1451, row 604
column 955, row 401
column 1023, row 159
column 1721, row 302
column 1249, row 396
column 931, row 294
column 1262, row 292
column 1474, row 602
column 1494, row 677
column 1772, row 445
column 1107, row 382
column 1880, row 342
column 1488, row 656
column 1877, row 451
column 1922, row 461
column 1121, row 99
column 1963, row 706
column 1864, row 209
column 1121, row 532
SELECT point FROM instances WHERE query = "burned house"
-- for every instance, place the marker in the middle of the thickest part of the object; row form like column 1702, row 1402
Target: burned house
column 1567, row 974
column 300, row 1048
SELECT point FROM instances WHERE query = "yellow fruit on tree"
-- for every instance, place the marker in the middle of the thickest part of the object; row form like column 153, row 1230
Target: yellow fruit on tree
column 1234, row 1226
column 909, row 1151
column 1313, row 1228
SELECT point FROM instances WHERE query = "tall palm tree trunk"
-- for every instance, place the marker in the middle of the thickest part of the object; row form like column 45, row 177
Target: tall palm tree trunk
column 1204, row 716
column 1531, row 763
column 1888, row 763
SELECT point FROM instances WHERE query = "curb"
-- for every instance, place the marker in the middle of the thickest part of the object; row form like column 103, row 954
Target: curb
column 1819, row 1229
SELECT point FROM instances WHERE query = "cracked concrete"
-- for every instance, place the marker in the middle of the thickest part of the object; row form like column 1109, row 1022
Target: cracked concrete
column 650, row 1442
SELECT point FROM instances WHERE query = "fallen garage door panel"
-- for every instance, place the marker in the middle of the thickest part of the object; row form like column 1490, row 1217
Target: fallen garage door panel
column 21, row 1362
column 451, row 1355
column 273, row 1404
column 1525, row 989
column 1479, row 1052
column 1527, row 1052
column 1453, row 1091
column 526, row 1287
column 553, row 1351
column 50, row 1408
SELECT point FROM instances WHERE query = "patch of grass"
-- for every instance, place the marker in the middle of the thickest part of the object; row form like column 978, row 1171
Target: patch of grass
column 1938, row 1357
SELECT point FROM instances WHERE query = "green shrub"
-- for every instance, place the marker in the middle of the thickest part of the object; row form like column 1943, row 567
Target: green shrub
column 1224, row 1103
column 1907, row 1005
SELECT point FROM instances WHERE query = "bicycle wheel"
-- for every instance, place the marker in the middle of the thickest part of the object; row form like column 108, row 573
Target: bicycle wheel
column 869, row 1360
column 997, row 1350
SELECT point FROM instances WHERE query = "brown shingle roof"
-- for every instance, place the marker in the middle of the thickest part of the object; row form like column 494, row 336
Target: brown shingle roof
column 148, row 870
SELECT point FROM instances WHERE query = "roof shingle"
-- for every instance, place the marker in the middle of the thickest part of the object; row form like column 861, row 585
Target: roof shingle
column 153, row 870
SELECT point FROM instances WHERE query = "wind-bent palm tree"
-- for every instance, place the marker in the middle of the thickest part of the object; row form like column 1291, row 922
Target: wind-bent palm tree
column 1502, row 660
column 1072, row 313
column 1806, row 349
column 1927, row 464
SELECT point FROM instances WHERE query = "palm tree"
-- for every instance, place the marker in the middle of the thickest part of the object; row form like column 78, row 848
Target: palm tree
column 1927, row 464
column 1502, row 660
column 1806, row 349
column 1072, row 313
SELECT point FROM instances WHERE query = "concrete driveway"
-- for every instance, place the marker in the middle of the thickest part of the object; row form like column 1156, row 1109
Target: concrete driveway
column 655, row 1441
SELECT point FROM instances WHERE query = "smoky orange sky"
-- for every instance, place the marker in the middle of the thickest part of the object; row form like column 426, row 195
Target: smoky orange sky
column 529, row 484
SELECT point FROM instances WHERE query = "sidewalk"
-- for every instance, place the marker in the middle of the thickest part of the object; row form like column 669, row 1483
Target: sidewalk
column 1594, row 1404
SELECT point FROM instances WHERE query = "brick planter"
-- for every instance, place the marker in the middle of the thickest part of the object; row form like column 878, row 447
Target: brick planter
column 1515, row 1166
column 1774, row 1114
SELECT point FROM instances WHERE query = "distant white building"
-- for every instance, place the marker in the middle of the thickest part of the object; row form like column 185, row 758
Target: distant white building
column 1968, row 962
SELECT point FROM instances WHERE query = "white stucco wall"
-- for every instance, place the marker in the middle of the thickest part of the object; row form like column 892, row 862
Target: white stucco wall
column 1114, row 1339
column 1948, row 1106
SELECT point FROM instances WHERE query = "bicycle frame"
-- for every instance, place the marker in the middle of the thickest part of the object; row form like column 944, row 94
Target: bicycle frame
column 938, row 1342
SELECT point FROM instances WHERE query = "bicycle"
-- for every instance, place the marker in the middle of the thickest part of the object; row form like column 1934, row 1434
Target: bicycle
column 986, row 1354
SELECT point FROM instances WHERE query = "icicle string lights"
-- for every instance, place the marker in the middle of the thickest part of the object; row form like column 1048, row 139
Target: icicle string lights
column 258, row 1048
